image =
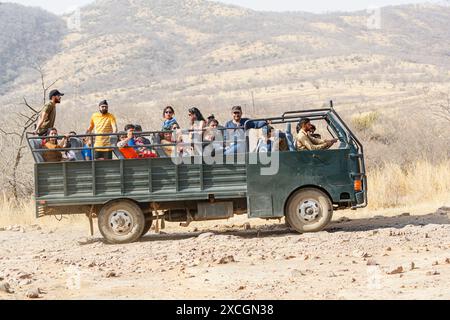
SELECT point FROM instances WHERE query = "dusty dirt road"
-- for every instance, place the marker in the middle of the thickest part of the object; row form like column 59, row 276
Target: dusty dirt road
column 401, row 257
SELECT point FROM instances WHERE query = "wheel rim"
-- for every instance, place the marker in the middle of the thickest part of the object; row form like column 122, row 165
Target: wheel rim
column 309, row 211
column 121, row 222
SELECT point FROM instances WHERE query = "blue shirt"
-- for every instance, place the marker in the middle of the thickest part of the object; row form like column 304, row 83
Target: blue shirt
column 86, row 152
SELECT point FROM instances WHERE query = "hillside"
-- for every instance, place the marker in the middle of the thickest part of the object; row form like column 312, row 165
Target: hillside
column 142, row 55
column 28, row 36
column 161, row 50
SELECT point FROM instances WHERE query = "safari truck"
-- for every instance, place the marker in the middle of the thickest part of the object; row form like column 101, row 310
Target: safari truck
column 127, row 196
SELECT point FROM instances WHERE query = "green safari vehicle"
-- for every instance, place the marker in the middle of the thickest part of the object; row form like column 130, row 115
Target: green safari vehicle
column 129, row 195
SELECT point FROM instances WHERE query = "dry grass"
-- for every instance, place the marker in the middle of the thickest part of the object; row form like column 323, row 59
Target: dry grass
column 366, row 120
column 420, row 182
column 23, row 213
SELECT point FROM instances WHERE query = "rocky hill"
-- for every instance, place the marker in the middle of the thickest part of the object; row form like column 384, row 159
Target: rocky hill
column 146, row 53
column 28, row 36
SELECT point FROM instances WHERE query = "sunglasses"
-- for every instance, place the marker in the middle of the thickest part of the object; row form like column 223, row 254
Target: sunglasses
column 169, row 112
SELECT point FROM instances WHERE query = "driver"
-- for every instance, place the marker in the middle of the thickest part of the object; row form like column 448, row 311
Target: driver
column 305, row 141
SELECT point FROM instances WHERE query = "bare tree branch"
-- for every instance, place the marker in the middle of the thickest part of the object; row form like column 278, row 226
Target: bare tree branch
column 28, row 106
column 9, row 133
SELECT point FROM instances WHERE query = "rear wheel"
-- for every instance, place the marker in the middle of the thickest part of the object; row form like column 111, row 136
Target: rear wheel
column 309, row 210
column 121, row 222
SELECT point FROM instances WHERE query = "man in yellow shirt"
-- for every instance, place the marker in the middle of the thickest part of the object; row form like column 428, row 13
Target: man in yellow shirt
column 103, row 122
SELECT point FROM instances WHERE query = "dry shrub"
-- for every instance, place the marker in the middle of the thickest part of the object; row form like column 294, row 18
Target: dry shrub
column 392, row 185
column 22, row 212
column 365, row 121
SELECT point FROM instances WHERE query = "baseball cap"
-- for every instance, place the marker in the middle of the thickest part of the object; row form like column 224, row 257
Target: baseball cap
column 103, row 103
column 237, row 108
column 54, row 93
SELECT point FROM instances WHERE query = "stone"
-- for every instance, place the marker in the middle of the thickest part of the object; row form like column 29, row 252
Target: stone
column 111, row 274
column 5, row 287
column 433, row 273
column 397, row 270
column 406, row 214
column 206, row 235
column 413, row 266
column 86, row 241
column 247, row 226
column 34, row 293
column 226, row 260
column 443, row 211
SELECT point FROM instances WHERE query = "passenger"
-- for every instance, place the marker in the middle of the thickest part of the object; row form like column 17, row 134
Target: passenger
column 198, row 124
column 265, row 144
column 210, row 118
column 87, row 149
column 172, row 143
column 48, row 114
column 126, row 144
column 140, row 140
column 281, row 142
column 103, row 122
column 313, row 132
column 169, row 143
column 169, row 118
column 69, row 155
column 51, row 144
column 304, row 141
column 236, row 130
column 211, row 131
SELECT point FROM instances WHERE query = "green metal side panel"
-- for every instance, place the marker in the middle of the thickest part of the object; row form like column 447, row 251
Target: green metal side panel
column 144, row 180
column 329, row 170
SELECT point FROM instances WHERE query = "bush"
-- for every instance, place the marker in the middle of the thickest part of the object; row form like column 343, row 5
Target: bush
column 365, row 121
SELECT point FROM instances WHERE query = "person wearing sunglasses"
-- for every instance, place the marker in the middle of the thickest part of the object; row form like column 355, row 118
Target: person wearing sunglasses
column 169, row 118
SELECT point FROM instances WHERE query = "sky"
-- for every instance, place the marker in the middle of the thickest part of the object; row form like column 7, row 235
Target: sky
column 316, row 6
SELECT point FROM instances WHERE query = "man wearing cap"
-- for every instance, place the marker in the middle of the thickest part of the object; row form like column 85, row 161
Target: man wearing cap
column 48, row 113
column 240, row 125
column 103, row 122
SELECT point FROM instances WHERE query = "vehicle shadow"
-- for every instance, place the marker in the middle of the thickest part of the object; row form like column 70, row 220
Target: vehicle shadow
column 356, row 225
column 381, row 222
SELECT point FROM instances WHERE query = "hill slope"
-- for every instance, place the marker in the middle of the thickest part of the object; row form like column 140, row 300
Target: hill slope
column 28, row 36
column 152, row 52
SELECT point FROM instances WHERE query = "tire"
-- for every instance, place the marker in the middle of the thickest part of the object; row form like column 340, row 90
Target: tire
column 309, row 210
column 121, row 222
column 148, row 225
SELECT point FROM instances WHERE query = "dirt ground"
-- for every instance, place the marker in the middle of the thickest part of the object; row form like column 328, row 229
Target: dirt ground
column 381, row 257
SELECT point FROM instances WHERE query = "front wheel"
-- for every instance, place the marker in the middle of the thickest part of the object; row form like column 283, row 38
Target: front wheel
column 309, row 210
column 121, row 222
